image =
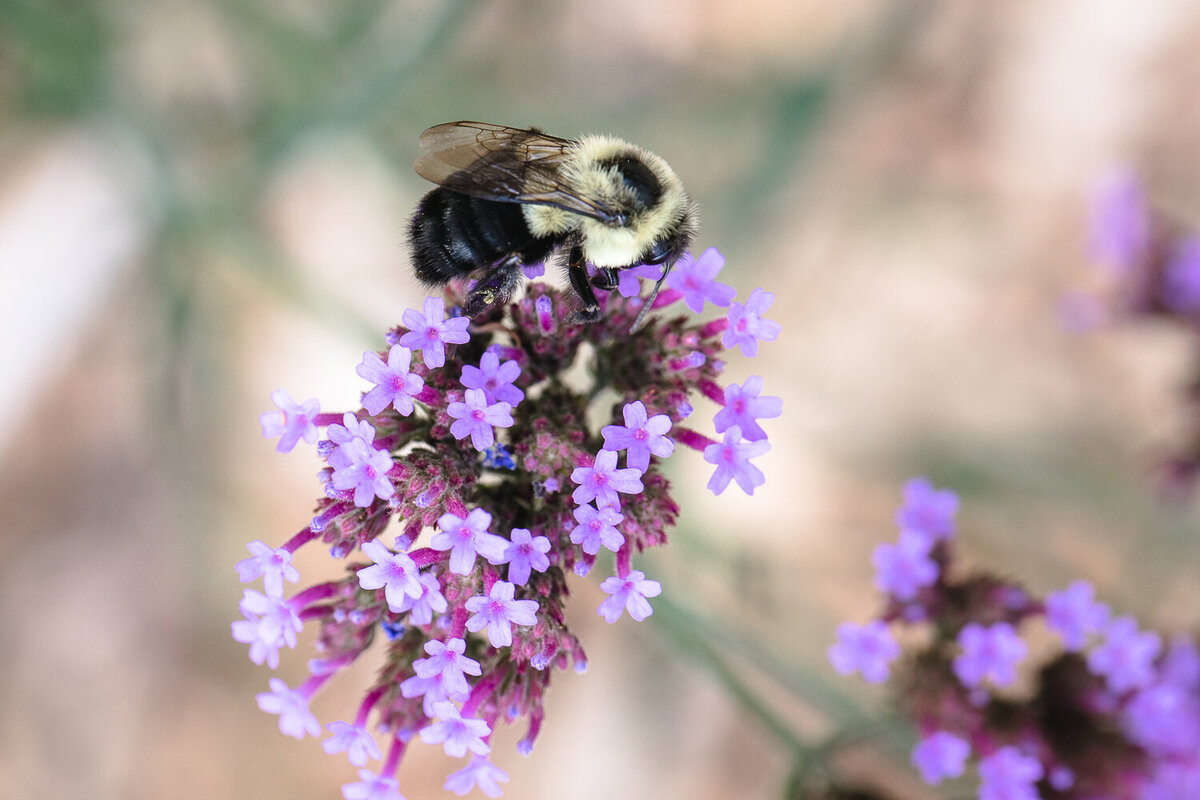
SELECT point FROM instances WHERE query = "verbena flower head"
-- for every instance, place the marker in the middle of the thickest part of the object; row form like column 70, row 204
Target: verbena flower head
column 1110, row 716
column 493, row 463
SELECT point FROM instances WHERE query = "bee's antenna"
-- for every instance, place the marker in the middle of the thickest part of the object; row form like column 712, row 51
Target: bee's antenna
column 641, row 317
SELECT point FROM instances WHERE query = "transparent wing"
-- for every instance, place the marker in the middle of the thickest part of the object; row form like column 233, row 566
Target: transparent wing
column 509, row 165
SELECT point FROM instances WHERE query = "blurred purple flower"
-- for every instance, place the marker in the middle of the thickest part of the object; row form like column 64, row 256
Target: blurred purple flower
column 1009, row 774
column 903, row 568
column 1074, row 613
column 939, row 756
column 732, row 459
column 292, row 422
column 1119, row 234
column 747, row 326
column 868, row 649
column 1125, row 659
column 696, row 279
column 989, row 651
column 928, row 510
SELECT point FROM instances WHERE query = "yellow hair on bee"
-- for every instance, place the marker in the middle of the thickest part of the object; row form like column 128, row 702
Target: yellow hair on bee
column 586, row 172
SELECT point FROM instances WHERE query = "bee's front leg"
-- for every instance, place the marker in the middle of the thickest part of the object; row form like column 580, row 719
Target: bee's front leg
column 606, row 279
column 577, row 272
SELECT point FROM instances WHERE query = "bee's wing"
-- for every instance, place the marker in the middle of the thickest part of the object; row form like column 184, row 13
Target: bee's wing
column 509, row 165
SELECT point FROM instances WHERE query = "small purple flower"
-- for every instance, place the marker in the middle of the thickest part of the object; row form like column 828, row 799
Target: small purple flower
column 292, row 422
column 696, row 279
column 639, row 436
column 354, row 740
column 1181, row 665
column 1120, row 223
column 351, row 429
column 1181, row 279
column 476, row 418
column 1164, row 719
column 465, row 538
column 629, row 282
column 1009, row 774
column 295, row 719
column 744, row 407
column 479, row 772
column 372, row 787
column 273, row 564
column 732, row 457
column 602, row 481
column 456, row 733
column 989, row 651
column 534, row 270
column 903, row 568
column 868, row 649
column 747, row 326
column 928, row 510
column 394, row 384
column 939, row 756
column 1125, row 659
column 270, row 623
column 628, row 594
column 431, row 691
column 431, row 601
column 395, row 573
column 596, row 528
column 1074, row 613
column 525, row 553
column 447, row 662
column 494, row 379
column 431, row 332
column 498, row 612
column 365, row 471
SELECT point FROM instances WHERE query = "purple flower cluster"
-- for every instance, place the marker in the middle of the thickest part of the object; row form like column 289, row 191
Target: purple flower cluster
column 1114, row 715
column 1147, row 267
column 471, row 443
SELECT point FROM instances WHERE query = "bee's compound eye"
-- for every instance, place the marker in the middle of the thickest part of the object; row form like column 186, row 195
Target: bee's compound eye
column 658, row 253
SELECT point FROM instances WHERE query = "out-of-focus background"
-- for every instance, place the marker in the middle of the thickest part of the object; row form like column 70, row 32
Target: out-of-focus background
column 203, row 202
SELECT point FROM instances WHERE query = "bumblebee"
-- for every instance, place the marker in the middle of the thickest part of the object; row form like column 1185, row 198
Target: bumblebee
column 507, row 198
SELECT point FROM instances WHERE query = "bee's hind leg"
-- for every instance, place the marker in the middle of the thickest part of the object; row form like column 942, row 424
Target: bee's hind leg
column 495, row 287
column 577, row 272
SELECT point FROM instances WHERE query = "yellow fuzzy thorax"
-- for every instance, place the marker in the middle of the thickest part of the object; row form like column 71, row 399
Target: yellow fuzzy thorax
column 603, row 245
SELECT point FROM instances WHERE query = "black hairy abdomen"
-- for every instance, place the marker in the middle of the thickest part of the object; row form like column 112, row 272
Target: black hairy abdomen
column 454, row 234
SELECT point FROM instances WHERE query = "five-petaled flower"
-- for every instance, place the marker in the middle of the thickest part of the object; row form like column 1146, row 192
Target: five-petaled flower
column 464, row 538
column 989, row 651
column 372, row 787
column 273, row 564
column 744, row 408
column 903, row 568
column 602, row 481
column 292, row 422
column 696, row 279
column 431, row 332
column 941, row 755
column 747, row 327
column 354, row 740
column 456, row 733
column 394, row 384
column 291, row 705
column 597, row 527
column 498, row 612
column 478, row 772
column 640, row 436
column 869, row 649
column 732, row 457
column 395, row 573
column 628, row 594
column 1074, row 613
column 365, row 471
column 525, row 553
column 494, row 379
column 447, row 662
column 475, row 417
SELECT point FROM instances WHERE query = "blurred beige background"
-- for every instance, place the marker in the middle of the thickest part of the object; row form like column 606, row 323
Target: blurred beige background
column 202, row 202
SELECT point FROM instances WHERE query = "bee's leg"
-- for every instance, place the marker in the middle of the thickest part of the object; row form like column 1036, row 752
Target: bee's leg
column 606, row 279
column 495, row 287
column 577, row 272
